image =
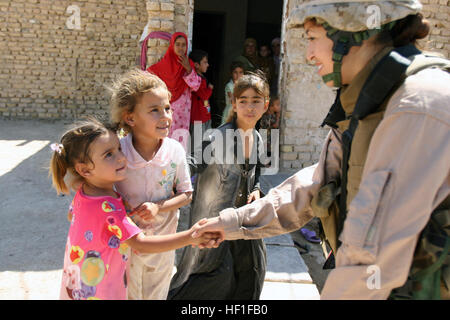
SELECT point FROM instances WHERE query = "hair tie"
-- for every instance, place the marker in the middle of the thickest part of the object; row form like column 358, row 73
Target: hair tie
column 57, row 147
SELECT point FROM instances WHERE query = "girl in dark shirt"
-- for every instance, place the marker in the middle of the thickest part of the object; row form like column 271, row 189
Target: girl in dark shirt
column 236, row 269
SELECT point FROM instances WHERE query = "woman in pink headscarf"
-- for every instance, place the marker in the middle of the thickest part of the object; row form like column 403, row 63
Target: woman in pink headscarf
column 178, row 72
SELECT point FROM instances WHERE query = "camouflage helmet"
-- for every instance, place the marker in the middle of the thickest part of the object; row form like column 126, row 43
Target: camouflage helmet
column 352, row 15
column 349, row 22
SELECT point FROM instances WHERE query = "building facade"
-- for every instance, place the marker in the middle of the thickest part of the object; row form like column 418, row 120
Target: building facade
column 58, row 57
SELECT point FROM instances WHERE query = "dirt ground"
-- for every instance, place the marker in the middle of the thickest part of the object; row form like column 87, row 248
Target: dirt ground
column 33, row 226
column 312, row 254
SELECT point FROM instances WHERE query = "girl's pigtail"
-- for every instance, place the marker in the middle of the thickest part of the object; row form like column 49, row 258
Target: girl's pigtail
column 58, row 170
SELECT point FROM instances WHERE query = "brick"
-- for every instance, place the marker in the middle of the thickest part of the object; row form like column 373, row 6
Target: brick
column 286, row 148
column 286, row 164
column 154, row 24
column 167, row 26
column 167, row 15
column 180, row 9
column 289, row 155
column 304, row 148
column 297, row 165
column 153, row 6
column 304, row 157
column 167, row 6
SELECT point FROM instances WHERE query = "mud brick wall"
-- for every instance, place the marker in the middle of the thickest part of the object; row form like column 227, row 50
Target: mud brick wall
column 51, row 69
column 306, row 100
column 437, row 12
column 169, row 16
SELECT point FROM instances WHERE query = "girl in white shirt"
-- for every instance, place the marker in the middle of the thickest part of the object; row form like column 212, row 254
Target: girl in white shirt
column 156, row 167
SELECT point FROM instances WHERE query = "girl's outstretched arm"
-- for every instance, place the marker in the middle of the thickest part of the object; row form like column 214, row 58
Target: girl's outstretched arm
column 163, row 243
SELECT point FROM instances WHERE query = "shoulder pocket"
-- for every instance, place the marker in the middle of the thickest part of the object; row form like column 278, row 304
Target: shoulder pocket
column 362, row 226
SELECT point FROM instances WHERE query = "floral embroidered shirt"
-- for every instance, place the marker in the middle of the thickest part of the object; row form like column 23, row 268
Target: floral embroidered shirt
column 155, row 180
column 181, row 109
column 96, row 255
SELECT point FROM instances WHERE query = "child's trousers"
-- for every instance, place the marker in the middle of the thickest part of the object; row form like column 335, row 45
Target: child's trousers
column 149, row 275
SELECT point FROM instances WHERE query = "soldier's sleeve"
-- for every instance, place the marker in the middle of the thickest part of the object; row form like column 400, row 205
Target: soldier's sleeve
column 286, row 207
column 406, row 175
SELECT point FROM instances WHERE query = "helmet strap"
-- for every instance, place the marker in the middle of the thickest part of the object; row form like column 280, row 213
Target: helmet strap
column 335, row 76
column 343, row 41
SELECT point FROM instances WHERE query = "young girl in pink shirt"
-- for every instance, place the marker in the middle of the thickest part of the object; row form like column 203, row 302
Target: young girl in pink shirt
column 157, row 166
column 89, row 157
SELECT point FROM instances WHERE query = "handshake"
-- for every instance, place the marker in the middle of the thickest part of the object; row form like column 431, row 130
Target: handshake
column 207, row 233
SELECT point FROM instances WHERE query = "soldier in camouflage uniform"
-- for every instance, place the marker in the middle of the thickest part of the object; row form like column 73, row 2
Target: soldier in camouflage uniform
column 382, row 183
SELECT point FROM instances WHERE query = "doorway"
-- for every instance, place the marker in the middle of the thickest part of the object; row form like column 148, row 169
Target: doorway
column 264, row 20
column 221, row 27
column 208, row 34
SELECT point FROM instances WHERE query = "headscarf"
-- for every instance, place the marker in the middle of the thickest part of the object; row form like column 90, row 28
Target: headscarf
column 170, row 70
